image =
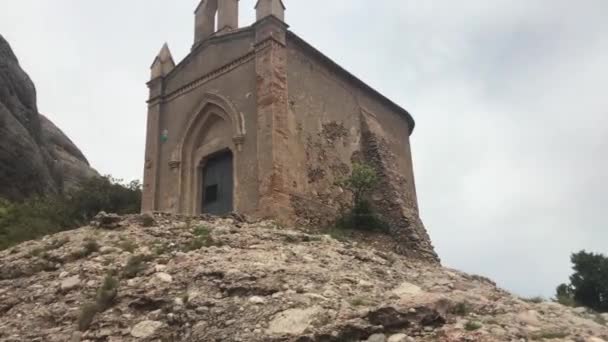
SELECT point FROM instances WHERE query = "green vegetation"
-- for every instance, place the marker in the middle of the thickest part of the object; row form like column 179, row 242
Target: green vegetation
column 472, row 326
column 127, row 245
column 36, row 217
column 103, row 300
column 461, row 309
column 534, row 300
column 148, row 220
column 361, row 215
column 589, row 283
column 89, row 247
column 549, row 335
column 135, row 265
column 202, row 239
column 360, row 301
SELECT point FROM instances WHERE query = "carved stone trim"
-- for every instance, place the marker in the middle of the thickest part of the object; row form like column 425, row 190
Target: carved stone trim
column 209, row 76
column 238, row 142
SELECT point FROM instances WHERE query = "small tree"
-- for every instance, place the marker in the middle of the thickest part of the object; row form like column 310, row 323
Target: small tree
column 361, row 215
column 589, row 283
column 362, row 180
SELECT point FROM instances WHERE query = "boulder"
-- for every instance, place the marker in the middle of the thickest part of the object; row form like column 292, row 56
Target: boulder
column 36, row 157
column 146, row 329
column 292, row 321
column 70, row 283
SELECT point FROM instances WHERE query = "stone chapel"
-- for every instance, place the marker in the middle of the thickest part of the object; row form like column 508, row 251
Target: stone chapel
column 255, row 120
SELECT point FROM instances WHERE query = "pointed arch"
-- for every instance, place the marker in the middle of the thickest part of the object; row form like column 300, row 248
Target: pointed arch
column 213, row 113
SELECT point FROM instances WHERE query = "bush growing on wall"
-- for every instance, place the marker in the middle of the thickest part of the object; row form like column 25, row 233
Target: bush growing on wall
column 361, row 215
column 41, row 216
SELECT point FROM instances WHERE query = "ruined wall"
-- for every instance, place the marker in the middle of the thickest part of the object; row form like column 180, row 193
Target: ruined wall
column 328, row 127
column 340, row 122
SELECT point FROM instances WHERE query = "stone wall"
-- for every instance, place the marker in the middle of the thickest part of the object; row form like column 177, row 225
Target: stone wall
column 340, row 122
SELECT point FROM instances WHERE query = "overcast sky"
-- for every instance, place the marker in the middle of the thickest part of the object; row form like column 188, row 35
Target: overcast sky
column 510, row 99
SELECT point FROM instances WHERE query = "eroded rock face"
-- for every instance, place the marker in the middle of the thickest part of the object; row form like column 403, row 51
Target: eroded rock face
column 211, row 279
column 35, row 156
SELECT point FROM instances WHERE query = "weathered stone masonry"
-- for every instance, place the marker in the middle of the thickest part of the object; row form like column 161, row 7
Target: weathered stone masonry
column 286, row 122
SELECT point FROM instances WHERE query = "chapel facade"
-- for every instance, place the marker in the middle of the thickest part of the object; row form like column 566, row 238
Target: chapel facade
column 255, row 120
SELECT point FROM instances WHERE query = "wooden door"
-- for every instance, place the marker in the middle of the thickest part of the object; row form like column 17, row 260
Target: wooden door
column 218, row 185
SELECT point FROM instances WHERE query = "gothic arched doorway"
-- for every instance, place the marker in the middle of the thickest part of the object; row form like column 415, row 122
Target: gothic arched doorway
column 217, row 184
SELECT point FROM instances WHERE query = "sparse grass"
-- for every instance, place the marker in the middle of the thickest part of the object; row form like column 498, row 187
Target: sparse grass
column 567, row 301
column 461, row 309
column 202, row 239
column 492, row 321
column 147, row 220
column 135, row 265
column 340, row 234
column 549, row 335
column 107, row 292
column 533, row 300
column 55, row 244
column 360, row 301
column 87, row 314
column 89, row 247
column 185, row 298
column 103, row 300
column 36, row 252
column 472, row 326
column 161, row 248
column 202, row 231
column 127, row 245
column 599, row 319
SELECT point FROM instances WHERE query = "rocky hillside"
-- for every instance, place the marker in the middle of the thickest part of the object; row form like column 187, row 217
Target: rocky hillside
column 209, row 279
column 35, row 156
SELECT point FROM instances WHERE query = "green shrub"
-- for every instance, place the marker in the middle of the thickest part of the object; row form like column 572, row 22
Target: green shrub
column 202, row 231
column 107, row 293
column 127, row 245
column 103, row 300
column 461, row 309
column 472, row 326
column 87, row 313
column 202, row 239
column 135, row 265
column 361, row 215
column 39, row 216
column 89, row 247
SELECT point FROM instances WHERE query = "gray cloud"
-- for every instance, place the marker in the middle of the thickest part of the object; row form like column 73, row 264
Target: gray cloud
column 509, row 98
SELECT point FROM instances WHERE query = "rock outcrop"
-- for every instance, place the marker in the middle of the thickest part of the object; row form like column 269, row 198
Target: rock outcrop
column 35, row 156
column 227, row 279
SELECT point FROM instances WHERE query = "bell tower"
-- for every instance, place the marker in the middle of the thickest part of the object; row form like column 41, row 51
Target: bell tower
column 205, row 25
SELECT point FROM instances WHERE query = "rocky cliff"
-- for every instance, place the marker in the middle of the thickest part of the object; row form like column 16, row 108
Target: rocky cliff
column 210, row 279
column 35, row 156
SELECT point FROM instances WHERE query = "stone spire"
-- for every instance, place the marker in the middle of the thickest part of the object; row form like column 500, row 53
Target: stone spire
column 266, row 8
column 163, row 63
